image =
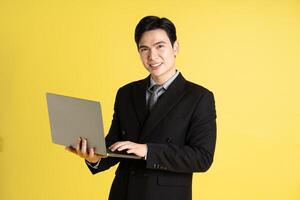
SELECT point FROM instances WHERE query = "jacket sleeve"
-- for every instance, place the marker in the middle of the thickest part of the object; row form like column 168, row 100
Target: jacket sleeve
column 112, row 137
column 196, row 155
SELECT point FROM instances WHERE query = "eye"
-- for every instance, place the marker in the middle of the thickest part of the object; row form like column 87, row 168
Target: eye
column 143, row 50
column 160, row 46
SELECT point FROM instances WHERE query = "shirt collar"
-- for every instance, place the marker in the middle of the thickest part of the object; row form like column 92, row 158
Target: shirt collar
column 167, row 83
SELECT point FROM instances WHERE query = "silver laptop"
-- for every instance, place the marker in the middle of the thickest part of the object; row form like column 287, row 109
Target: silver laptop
column 71, row 118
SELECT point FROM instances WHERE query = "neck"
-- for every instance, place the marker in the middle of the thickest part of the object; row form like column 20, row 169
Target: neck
column 164, row 78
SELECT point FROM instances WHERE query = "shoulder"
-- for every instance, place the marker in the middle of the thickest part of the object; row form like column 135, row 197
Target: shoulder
column 138, row 83
column 136, row 86
column 197, row 90
column 133, row 84
column 202, row 97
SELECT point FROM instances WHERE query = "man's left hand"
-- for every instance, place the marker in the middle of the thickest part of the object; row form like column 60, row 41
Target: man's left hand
column 130, row 147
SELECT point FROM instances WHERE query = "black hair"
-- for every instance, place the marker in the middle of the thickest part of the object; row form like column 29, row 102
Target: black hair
column 149, row 23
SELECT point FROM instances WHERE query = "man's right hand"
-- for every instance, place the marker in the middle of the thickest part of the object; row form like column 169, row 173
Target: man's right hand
column 82, row 151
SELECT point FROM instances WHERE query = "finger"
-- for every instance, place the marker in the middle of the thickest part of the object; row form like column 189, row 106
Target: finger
column 91, row 152
column 84, row 147
column 131, row 151
column 125, row 146
column 134, row 151
column 137, row 152
column 78, row 146
column 117, row 145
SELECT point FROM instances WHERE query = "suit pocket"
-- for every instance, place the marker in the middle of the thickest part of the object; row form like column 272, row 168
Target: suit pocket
column 173, row 181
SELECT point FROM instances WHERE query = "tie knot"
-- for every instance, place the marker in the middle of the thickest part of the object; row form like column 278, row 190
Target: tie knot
column 156, row 88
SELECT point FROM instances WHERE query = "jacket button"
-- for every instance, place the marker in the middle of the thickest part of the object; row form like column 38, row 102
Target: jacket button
column 169, row 140
column 123, row 132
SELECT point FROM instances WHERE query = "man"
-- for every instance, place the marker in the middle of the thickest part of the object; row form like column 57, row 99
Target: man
column 165, row 119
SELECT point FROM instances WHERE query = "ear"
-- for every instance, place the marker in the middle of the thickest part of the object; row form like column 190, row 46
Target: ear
column 176, row 48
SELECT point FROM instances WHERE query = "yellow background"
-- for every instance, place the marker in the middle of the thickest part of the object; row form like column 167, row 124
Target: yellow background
column 246, row 52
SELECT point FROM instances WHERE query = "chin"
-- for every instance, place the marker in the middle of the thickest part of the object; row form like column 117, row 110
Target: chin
column 156, row 74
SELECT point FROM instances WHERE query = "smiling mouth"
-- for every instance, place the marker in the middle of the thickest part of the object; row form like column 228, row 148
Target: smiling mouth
column 155, row 66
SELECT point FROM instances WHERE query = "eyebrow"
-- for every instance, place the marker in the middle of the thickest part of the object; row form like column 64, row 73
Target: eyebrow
column 156, row 43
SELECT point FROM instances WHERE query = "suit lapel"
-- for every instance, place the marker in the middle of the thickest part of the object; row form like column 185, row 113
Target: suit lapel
column 165, row 103
column 139, row 99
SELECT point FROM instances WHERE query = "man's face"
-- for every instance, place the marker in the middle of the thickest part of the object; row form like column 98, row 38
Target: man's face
column 158, row 54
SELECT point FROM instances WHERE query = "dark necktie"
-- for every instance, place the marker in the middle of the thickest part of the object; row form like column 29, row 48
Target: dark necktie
column 154, row 90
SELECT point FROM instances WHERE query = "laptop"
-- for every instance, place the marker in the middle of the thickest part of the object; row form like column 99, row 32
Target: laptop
column 71, row 118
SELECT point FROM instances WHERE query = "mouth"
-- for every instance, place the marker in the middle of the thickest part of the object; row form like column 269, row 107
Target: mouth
column 154, row 66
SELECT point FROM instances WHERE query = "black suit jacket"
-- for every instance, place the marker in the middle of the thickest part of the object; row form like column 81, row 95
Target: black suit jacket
column 180, row 133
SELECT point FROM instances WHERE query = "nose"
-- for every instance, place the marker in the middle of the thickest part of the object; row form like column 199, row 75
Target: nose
column 153, row 55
